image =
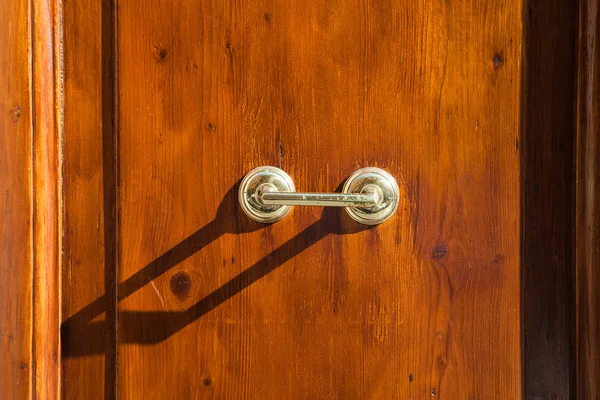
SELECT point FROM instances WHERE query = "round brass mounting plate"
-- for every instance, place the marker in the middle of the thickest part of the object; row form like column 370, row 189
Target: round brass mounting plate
column 260, row 177
column 364, row 180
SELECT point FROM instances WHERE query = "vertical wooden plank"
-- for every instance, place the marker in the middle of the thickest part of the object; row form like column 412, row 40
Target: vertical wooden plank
column 588, row 204
column 16, row 369
column 47, row 195
column 90, row 244
column 548, row 195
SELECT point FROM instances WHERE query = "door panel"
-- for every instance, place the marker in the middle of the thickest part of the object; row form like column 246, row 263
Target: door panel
column 204, row 302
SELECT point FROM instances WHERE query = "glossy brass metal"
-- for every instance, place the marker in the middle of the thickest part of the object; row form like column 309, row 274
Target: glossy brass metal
column 370, row 195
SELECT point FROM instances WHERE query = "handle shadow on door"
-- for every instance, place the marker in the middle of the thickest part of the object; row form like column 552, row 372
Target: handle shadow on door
column 80, row 336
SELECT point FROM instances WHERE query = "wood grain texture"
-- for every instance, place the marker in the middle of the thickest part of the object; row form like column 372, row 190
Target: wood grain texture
column 548, row 198
column 47, row 196
column 15, row 203
column 89, row 280
column 425, row 305
column 31, row 206
column 588, row 204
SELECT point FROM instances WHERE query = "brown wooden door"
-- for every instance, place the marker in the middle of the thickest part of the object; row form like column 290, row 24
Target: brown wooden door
column 172, row 292
column 128, row 270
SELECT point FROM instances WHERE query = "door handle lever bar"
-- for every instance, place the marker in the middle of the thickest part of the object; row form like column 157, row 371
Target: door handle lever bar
column 366, row 200
column 370, row 195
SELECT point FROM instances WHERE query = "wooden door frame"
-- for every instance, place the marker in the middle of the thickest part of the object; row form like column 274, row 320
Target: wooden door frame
column 560, row 156
column 587, row 210
column 34, row 139
column 548, row 163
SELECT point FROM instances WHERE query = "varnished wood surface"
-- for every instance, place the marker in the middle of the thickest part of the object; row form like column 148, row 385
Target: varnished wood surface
column 209, row 304
column 588, row 204
column 90, row 237
column 15, row 204
column 179, row 100
column 47, row 195
column 31, row 186
column 426, row 305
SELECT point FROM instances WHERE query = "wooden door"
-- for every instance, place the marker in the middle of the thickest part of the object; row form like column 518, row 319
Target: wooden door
column 136, row 120
column 197, row 300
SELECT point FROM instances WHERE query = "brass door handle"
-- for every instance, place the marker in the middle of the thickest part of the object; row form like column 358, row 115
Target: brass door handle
column 370, row 195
